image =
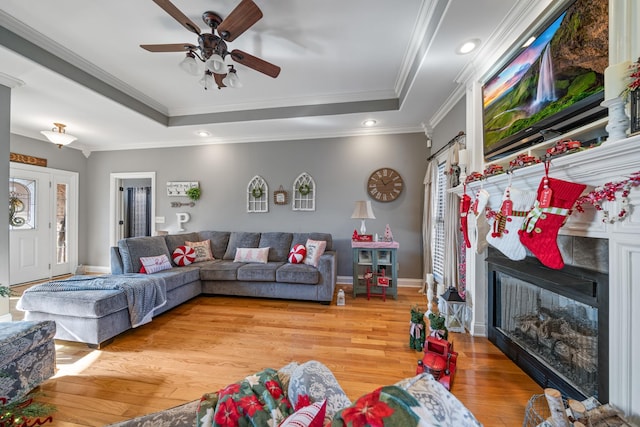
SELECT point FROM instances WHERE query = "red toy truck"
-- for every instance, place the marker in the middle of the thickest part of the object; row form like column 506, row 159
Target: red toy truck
column 439, row 360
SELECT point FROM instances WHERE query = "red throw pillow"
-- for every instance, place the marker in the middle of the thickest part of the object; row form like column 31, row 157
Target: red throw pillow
column 309, row 416
column 184, row 255
column 297, row 254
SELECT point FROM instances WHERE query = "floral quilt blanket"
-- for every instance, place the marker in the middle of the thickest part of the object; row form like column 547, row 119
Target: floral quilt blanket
column 257, row 401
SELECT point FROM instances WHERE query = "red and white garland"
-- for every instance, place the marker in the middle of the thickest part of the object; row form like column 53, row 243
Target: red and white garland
column 607, row 193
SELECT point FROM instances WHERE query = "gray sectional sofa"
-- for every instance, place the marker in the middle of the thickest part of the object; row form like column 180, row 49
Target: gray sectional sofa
column 96, row 316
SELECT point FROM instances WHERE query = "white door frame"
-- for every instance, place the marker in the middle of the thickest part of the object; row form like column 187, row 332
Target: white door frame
column 115, row 202
column 72, row 219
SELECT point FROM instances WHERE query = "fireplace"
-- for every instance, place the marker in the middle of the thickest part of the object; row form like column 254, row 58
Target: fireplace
column 552, row 323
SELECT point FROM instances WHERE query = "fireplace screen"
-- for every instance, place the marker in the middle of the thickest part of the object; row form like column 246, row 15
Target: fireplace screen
column 560, row 332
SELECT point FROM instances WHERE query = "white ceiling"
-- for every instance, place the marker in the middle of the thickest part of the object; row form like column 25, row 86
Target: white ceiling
column 342, row 62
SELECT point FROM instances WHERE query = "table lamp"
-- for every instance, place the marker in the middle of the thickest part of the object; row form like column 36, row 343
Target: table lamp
column 363, row 211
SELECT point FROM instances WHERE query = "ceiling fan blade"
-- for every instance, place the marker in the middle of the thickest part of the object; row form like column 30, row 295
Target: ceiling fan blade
column 175, row 47
column 256, row 63
column 170, row 8
column 239, row 20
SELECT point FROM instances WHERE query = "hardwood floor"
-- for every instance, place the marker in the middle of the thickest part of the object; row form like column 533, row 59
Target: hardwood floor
column 210, row 342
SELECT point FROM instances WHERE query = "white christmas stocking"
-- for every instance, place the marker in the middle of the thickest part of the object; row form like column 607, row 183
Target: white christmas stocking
column 478, row 225
column 503, row 234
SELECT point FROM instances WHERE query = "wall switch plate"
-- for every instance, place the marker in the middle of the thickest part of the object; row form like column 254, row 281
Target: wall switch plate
column 159, row 220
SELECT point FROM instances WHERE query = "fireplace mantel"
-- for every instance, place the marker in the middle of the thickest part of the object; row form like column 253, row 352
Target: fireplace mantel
column 610, row 162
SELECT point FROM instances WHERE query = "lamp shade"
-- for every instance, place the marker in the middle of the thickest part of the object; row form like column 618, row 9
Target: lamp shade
column 363, row 210
column 232, row 80
column 216, row 64
column 190, row 65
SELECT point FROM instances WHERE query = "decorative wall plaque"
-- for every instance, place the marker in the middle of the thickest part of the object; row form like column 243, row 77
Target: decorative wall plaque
column 28, row 160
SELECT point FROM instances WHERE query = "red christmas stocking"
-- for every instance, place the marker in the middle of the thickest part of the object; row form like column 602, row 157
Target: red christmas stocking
column 539, row 231
column 465, row 204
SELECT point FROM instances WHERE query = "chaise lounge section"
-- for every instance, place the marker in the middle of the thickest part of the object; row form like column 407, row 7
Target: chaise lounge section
column 95, row 317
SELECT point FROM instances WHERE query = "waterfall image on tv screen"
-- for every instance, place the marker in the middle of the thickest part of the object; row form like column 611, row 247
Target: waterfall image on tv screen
column 555, row 76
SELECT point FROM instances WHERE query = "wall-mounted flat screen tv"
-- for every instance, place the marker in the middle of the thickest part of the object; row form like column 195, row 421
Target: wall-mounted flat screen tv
column 553, row 85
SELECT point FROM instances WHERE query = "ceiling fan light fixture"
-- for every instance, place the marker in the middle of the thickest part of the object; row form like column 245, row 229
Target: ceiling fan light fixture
column 232, row 79
column 207, row 80
column 216, row 64
column 58, row 135
column 190, row 65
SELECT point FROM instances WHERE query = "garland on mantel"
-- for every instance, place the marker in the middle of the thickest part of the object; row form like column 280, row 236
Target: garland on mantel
column 607, row 193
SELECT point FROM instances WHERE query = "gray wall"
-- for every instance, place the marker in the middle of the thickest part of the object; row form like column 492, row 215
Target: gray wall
column 339, row 166
column 450, row 125
column 5, row 125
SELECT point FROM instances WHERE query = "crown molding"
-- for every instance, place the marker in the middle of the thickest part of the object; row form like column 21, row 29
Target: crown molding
column 10, row 81
column 32, row 35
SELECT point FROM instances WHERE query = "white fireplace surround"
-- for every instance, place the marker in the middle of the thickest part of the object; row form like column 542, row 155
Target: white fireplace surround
column 611, row 161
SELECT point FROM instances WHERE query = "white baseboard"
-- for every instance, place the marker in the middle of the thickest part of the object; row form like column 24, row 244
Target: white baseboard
column 97, row 269
column 402, row 283
column 6, row 318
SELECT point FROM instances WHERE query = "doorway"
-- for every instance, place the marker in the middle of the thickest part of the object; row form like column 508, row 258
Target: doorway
column 43, row 223
column 132, row 205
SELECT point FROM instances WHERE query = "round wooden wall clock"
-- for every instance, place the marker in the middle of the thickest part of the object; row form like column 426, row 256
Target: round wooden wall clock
column 385, row 185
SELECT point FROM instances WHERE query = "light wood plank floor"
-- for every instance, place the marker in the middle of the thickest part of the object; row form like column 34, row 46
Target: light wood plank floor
column 210, row 342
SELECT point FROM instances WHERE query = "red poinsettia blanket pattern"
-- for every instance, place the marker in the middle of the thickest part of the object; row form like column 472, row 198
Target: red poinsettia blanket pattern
column 256, row 401
column 386, row 406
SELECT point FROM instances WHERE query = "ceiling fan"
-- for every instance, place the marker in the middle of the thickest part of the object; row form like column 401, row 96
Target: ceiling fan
column 212, row 48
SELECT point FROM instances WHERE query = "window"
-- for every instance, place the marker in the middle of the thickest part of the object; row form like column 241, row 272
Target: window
column 22, row 204
column 438, row 213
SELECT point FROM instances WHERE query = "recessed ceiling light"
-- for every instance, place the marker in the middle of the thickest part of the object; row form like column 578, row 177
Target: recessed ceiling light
column 369, row 123
column 203, row 133
column 468, row 47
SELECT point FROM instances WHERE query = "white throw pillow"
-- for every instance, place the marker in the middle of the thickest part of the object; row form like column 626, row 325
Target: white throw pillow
column 203, row 250
column 315, row 249
column 259, row 255
column 153, row 264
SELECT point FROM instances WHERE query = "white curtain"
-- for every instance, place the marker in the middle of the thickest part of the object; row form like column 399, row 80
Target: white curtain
column 427, row 226
column 451, row 221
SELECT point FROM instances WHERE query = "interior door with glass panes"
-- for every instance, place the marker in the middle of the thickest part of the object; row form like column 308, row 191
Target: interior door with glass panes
column 29, row 232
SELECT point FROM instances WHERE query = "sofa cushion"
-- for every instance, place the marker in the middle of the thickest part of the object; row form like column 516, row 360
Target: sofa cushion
column 301, row 239
column 222, row 270
column 88, row 304
column 175, row 240
column 315, row 380
column 154, row 264
column 203, row 250
column 315, row 249
column 183, row 255
column 308, row 416
column 298, row 273
column 256, row 255
column 279, row 242
column 219, row 241
column 133, row 248
column 297, row 254
column 259, row 272
column 240, row 239
column 179, row 276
